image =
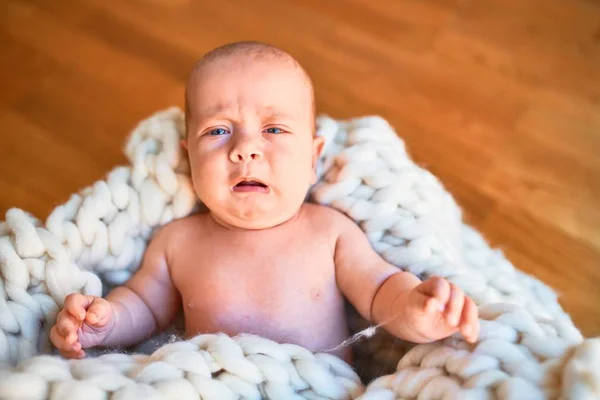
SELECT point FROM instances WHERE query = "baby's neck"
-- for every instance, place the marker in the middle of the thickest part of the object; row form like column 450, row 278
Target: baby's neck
column 221, row 224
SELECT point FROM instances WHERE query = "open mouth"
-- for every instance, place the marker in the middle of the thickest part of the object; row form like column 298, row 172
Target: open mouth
column 250, row 185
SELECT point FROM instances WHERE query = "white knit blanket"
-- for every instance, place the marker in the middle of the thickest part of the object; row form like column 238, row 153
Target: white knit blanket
column 528, row 347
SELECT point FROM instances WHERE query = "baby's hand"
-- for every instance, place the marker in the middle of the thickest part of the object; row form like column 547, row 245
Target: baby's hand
column 437, row 309
column 84, row 322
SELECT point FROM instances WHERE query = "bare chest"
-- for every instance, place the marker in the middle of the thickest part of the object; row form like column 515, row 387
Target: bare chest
column 268, row 284
column 260, row 272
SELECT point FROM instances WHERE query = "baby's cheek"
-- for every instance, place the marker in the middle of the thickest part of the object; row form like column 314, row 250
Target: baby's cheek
column 294, row 162
column 205, row 180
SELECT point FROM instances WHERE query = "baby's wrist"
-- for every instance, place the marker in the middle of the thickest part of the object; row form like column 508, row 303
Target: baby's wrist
column 390, row 294
column 400, row 304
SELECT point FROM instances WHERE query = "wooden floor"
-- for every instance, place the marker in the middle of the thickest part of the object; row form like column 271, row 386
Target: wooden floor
column 499, row 98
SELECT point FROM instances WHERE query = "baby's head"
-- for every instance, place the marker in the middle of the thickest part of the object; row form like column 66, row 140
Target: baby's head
column 251, row 134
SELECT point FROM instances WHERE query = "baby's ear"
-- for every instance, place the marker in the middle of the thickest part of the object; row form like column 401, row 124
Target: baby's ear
column 318, row 143
column 184, row 143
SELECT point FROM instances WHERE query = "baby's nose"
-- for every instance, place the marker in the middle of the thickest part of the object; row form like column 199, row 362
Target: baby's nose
column 240, row 156
column 245, row 150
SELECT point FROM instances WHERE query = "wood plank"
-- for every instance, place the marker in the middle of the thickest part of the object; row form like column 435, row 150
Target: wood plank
column 553, row 42
column 27, row 60
column 551, row 255
column 125, row 37
column 39, row 172
column 551, row 176
column 82, row 53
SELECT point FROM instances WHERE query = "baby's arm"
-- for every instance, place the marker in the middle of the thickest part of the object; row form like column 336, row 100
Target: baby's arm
column 148, row 301
column 411, row 310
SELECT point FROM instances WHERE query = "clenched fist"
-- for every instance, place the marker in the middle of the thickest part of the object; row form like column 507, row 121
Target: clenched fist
column 84, row 321
column 436, row 309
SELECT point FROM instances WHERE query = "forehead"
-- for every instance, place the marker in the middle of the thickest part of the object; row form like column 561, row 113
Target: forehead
column 272, row 83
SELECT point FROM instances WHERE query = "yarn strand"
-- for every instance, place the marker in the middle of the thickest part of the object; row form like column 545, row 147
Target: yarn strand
column 364, row 334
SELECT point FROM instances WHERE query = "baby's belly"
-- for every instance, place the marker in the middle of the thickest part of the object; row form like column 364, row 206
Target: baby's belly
column 310, row 317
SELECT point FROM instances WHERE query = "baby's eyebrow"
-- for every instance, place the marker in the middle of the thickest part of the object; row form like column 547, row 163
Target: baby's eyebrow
column 272, row 112
column 213, row 110
column 207, row 113
column 218, row 110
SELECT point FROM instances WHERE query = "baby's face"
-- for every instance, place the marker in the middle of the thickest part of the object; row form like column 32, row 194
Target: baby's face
column 250, row 140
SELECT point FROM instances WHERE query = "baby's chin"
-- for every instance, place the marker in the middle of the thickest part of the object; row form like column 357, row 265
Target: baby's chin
column 250, row 219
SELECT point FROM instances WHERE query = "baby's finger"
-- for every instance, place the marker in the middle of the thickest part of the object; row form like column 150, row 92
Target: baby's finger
column 72, row 353
column 454, row 306
column 438, row 288
column 76, row 304
column 67, row 327
column 65, row 349
column 423, row 302
column 98, row 313
column 58, row 340
column 469, row 322
column 433, row 305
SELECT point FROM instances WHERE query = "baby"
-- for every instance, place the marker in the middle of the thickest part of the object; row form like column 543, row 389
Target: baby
column 260, row 260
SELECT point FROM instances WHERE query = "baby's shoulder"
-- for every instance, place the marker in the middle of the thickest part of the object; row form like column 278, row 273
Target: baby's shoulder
column 327, row 218
column 320, row 211
column 180, row 230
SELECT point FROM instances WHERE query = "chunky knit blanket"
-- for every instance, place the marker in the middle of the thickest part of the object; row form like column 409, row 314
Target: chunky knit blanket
column 528, row 347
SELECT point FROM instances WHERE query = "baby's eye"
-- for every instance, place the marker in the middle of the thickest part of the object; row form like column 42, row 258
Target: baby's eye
column 218, row 132
column 274, row 130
